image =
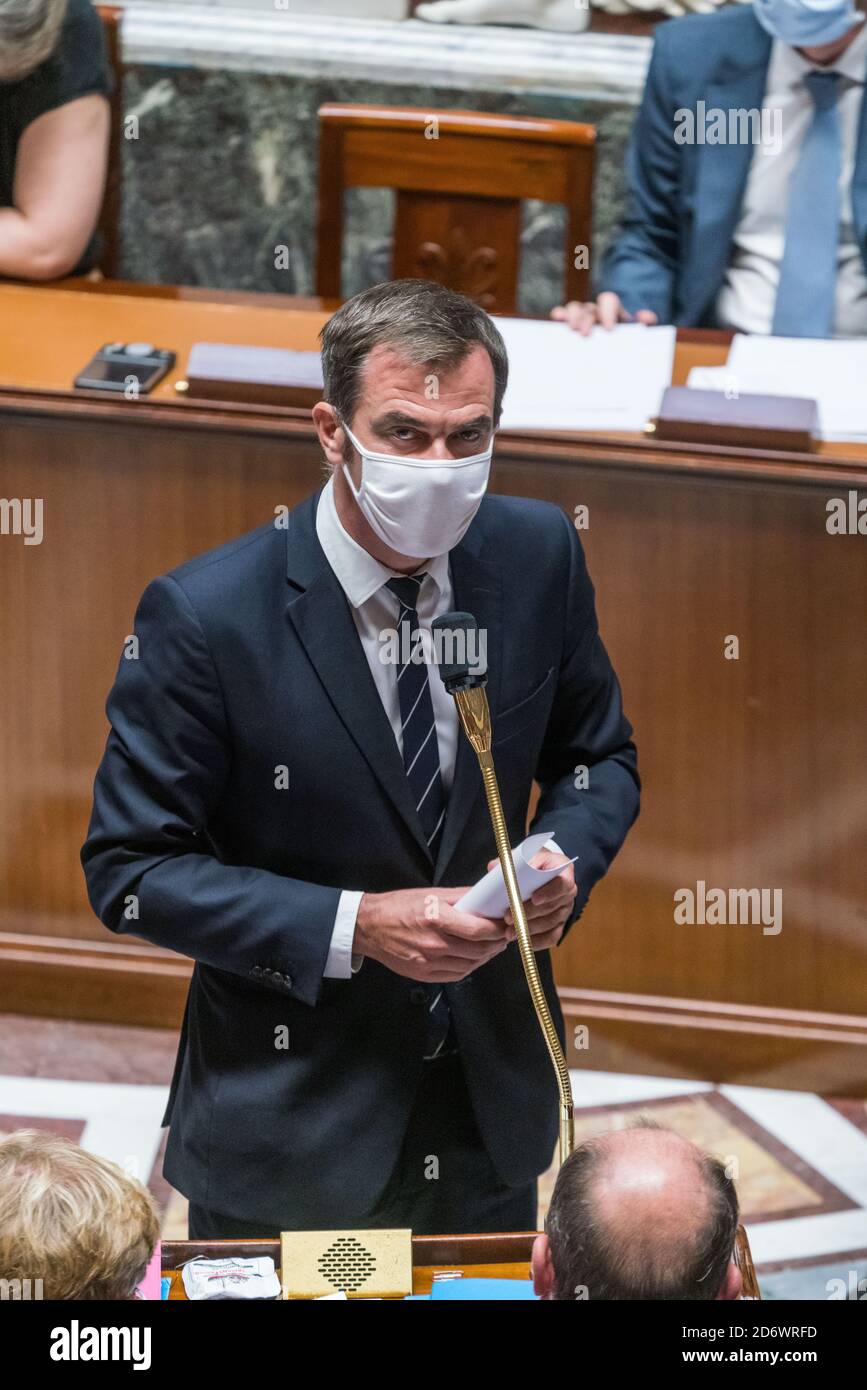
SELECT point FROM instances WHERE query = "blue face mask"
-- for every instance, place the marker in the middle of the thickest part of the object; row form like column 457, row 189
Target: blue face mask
column 807, row 23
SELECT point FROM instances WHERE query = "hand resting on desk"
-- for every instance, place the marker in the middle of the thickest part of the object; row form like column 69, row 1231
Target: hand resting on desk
column 607, row 311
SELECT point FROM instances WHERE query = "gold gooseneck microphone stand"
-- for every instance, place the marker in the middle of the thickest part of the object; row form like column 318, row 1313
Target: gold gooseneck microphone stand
column 468, row 691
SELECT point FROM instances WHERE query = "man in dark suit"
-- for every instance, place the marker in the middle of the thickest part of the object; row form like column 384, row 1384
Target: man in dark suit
column 292, row 807
column 746, row 177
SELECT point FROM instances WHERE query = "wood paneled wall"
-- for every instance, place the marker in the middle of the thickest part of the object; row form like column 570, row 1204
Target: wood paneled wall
column 754, row 770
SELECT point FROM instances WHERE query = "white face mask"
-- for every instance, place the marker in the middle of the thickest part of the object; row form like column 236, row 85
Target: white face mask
column 419, row 507
column 803, row 23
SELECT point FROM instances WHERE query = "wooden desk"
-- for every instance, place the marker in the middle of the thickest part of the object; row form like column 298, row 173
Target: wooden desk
column 505, row 1256
column 754, row 770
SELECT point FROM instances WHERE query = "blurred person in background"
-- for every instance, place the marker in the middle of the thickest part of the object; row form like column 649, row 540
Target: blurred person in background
column 746, row 178
column 54, row 135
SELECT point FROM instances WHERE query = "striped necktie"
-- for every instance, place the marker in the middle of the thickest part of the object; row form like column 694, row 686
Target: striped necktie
column 421, row 759
column 807, row 292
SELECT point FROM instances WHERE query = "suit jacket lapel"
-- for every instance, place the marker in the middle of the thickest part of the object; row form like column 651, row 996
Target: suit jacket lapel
column 738, row 83
column 321, row 616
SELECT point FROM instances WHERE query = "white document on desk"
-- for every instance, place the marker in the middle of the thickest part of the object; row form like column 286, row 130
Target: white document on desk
column 612, row 380
column 832, row 371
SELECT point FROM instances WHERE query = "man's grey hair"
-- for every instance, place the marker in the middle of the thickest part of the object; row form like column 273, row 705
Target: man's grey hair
column 29, row 30
column 427, row 324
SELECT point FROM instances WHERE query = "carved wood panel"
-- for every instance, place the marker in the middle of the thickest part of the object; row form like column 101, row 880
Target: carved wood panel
column 469, row 244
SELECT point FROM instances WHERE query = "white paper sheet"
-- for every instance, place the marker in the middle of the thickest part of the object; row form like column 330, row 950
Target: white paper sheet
column 831, row 371
column 711, row 379
column 488, row 897
column 558, row 380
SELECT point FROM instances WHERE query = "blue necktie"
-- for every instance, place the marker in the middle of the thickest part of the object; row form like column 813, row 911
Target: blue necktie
column 807, row 294
column 421, row 758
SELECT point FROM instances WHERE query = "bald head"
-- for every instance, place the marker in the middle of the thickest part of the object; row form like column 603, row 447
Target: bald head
column 641, row 1213
column 651, row 1197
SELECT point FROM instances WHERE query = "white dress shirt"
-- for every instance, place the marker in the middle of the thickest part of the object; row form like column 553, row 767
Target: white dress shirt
column 748, row 296
column 375, row 611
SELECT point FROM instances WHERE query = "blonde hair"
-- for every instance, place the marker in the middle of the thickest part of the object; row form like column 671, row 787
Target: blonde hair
column 71, row 1219
column 29, row 30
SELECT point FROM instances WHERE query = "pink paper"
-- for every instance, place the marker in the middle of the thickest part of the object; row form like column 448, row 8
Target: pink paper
column 149, row 1287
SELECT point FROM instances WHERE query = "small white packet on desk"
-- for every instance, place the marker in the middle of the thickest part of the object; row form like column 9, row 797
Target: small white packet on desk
column 231, row 1278
column 488, row 897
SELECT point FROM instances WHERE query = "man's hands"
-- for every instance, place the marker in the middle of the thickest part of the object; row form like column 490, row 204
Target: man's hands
column 549, row 907
column 417, row 932
column 607, row 311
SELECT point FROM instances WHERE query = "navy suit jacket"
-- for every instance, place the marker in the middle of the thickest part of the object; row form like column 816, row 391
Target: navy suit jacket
column 249, row 661
column 684, row 201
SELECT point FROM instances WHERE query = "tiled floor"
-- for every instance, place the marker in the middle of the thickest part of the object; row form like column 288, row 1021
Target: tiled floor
column 800, row 1161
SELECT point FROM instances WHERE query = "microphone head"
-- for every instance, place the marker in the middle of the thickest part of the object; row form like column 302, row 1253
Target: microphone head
column 461, row 661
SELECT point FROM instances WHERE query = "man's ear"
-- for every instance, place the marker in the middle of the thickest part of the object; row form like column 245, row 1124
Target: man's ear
column 330, row 431
column 732, row 1286
column 542, row 1267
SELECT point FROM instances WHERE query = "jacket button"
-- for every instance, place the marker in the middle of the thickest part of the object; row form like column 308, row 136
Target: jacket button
column 287, row 980
column 257, row 970
column 418, row 995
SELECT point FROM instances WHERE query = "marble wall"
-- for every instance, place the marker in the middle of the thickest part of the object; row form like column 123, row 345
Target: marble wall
column 220, row 174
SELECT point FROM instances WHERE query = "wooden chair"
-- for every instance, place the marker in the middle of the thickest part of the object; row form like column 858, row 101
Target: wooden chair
column 109, row 218
column 458, row 216
column 744, row 1262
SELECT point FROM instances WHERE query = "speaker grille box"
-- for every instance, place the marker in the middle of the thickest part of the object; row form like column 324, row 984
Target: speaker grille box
column 361, row 1264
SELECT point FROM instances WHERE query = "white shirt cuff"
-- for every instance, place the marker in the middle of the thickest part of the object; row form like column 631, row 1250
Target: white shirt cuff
column 341, row 962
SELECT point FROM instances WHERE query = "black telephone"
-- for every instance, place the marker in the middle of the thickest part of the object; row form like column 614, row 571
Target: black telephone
column 130, row 369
